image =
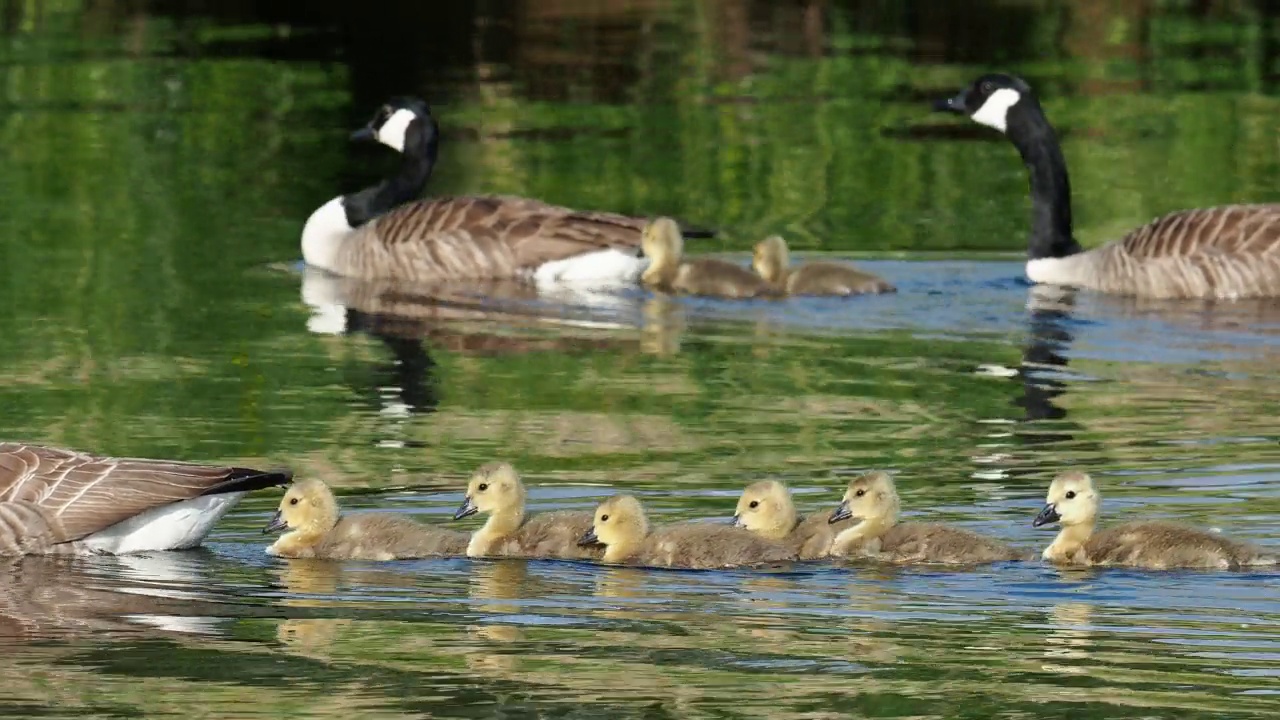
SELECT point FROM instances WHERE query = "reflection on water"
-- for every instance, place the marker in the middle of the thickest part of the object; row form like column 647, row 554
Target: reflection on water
column 160, row 159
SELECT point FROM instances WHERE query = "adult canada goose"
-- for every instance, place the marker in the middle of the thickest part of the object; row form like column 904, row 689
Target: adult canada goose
column 1073, row 503
column 772, row 260
column 316, row 529
column 1225, row 252
column 385, row 232
column 620, row 525
column 66, row 502
column 496, row 489
column 872, row 499
column 668, row 271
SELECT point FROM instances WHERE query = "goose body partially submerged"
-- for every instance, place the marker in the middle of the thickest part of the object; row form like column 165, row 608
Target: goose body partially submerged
column 1224, row 252
column 386, row 232
column 59, row 501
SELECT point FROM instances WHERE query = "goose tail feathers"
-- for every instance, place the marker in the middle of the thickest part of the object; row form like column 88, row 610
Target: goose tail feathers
column 248, row 480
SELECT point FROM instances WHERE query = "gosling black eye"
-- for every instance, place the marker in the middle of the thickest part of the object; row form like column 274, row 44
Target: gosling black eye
column 754, row 504
column 1071, row 494
column 604, row 518
column 293, row 501
column 860, row 493
column 483, row 487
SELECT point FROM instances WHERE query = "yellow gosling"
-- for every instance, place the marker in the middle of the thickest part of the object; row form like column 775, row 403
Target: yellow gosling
column 315, row 528
column 496, row 490
column 669, row 272
column 766, row 509
column 623, row 529
column 772, row 260
column 872, row 499
column 1073, row 502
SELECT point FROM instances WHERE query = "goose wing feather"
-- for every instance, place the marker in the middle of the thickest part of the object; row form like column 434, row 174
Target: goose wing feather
column 1230, row 251
column 478, row 237
column 78, row 494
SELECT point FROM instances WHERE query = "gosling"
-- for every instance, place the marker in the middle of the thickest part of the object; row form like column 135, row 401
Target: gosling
column 623, row 529
column 309, row 512
column 496, row 489
column 771, row 260
column 873, row 500
column 1073, row 503
column 668, row 272
column 765, row 508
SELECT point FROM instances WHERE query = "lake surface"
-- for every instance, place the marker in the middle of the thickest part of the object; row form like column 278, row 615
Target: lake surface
column 158, row 160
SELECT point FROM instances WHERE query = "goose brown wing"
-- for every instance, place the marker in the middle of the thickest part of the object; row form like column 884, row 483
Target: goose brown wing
column 479, row 237
column 1230, row 229
column 80, row 494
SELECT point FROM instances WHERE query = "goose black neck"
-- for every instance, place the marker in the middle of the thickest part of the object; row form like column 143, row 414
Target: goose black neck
column 1051, row 234
column 418, row 159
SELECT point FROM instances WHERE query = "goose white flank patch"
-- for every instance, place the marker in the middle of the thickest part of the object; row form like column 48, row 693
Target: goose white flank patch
column 1225, row 252
column 385, row 232
column 59, row 501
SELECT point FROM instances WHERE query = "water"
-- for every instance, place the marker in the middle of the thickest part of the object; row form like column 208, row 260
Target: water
column 159, row 158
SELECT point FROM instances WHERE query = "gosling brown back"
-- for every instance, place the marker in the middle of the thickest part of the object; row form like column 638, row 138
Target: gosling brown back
column 1156, row 544
column 383, row 536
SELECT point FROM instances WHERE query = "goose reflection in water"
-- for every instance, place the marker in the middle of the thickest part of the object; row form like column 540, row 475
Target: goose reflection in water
column 483, row 318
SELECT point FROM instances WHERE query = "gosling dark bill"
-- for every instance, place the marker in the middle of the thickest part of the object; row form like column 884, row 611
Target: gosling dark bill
column 589, row 538
column 466, row 509
column 276, row 524
column 1048, row 515
column 841, row 513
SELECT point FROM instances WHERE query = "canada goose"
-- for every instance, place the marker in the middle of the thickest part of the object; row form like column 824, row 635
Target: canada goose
column 61, row 501
column 1225, row 252
column 496, row 489
column 386, row 233
column 1073, row 503
column 316, row 529
column 873, row 500
column 621, row 527
column 765, row 508
column 772, row 260
column 669, row 272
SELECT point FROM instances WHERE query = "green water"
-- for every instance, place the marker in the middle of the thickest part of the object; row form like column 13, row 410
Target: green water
column 157, row 161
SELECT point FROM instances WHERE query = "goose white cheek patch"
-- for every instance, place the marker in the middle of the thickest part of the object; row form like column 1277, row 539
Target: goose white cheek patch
column 393, row 130
column 995, row 111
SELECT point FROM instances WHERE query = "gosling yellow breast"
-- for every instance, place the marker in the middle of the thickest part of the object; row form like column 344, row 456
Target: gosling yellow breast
column 309, row 515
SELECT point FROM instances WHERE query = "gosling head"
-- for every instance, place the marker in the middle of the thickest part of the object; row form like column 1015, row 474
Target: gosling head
column 765, row 508
column 662, row 243
column 770, row 258
column 493, row 488
column 403, row 122
column 619, row 521
column 870, row 497
column 308, row 506
column 1072, row 500
column 994, row 100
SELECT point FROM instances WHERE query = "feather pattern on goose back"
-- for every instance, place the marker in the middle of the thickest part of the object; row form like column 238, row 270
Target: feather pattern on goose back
column 1230, row 251
column 52, row 496
column 478, row 237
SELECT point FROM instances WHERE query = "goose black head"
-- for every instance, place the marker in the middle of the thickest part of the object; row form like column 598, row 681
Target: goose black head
column 993, row 100
column 400, row 123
